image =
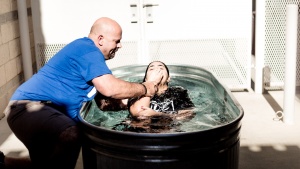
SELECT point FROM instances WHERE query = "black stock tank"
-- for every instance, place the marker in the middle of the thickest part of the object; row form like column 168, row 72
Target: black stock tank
column 211, row 140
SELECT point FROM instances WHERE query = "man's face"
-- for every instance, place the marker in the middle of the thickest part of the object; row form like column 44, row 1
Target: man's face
column 110, row 43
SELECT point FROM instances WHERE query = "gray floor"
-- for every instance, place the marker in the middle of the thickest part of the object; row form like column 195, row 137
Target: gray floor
column 266, row 143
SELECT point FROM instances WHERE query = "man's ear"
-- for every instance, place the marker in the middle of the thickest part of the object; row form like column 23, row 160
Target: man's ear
column 100, row 40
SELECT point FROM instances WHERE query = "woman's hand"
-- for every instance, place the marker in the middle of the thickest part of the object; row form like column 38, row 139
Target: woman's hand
column 155, row 76
column 185, row 114
column 146, row 112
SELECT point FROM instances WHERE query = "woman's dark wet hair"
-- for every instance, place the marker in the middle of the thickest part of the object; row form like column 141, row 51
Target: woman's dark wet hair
column 150, row 64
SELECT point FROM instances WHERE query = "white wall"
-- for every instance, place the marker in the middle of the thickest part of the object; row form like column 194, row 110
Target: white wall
column 214, row 34
column 60, row 21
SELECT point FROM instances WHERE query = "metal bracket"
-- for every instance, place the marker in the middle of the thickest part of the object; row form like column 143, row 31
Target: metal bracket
column 149, row 12
column 134, row 13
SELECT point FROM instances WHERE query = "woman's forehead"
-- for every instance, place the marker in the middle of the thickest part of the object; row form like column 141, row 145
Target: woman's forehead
column 156, row 63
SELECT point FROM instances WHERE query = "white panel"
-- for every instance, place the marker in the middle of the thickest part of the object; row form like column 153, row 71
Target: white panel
column 200, row 19
column 214, row 34
column 273, row 13
column 62, row 21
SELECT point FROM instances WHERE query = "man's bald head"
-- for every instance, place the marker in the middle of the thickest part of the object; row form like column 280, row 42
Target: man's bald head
column 105, row 25
column 106, row 34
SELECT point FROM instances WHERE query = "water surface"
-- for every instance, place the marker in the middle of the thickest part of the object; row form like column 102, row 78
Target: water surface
column 213, row 107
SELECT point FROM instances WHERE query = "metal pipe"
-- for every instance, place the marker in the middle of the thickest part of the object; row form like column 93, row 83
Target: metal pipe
column 24, row 39
column 259, row 45
column 143, row 57
column 290, row 63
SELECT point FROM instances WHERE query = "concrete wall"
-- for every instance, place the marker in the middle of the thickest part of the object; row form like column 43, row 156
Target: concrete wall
column 11, row 71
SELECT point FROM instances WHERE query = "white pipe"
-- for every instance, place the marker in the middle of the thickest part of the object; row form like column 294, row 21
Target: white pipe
column 24, row 39
column 259, row 45
column 290, row 63
column 143, row 57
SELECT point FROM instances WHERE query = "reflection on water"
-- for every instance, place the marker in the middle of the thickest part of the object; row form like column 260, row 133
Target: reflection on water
column 212, row 107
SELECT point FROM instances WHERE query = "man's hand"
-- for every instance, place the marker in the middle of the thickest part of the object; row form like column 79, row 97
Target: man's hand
column 151, row 88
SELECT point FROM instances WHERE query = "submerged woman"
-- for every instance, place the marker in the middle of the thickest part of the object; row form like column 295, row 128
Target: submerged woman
column 173, row 101
column 158, row 113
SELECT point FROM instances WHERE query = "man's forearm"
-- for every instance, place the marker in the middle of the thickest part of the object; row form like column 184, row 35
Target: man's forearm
column 128, row 90
column 116, row 88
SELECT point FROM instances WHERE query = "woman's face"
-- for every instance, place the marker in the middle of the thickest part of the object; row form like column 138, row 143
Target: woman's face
column 158, row 66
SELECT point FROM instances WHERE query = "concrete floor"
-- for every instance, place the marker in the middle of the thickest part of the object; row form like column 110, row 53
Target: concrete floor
column 266, row 143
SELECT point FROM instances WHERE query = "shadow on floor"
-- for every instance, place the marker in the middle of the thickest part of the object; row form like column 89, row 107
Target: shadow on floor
column 269, row 157
column 272, row 102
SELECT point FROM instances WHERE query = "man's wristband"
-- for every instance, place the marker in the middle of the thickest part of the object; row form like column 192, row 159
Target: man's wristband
column 145, row 89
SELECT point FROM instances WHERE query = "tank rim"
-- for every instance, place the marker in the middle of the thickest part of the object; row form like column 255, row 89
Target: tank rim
column 236, row 121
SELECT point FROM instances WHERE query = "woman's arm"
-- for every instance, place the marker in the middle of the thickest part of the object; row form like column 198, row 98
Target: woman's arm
column 110, row 104
column 185, row 114
column 140, row 108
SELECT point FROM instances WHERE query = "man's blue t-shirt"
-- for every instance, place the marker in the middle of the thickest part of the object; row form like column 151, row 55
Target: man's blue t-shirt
column 66, row 79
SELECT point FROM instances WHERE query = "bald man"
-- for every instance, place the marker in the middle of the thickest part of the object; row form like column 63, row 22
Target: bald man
column 43, row 111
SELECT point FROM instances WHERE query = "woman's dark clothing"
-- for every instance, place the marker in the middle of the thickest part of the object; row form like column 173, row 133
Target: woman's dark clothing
column 175, row 98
